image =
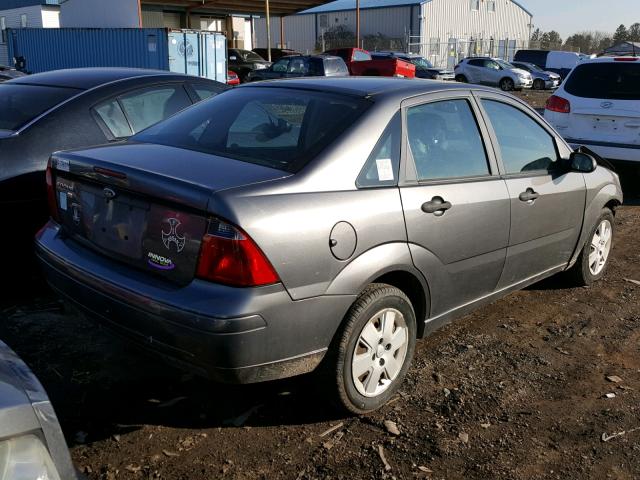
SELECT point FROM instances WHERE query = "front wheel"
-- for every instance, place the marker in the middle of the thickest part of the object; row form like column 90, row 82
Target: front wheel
column 374, row 349
column 507, row 85
column 461, row 79
column 594, row 257
column 538, row 84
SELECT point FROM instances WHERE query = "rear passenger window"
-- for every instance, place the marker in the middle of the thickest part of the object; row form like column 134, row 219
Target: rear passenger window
column 205, row 91
column 445, row 141
column 524, row 145
column 360, row 56
column 145, row 107
column 381, row 169
column 113, row 117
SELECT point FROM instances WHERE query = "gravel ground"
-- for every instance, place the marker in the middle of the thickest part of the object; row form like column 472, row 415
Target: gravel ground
column 516, row 390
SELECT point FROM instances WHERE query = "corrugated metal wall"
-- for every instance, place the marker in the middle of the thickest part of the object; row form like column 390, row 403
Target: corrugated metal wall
column 299, row 32
column 12, row 19
column 303, row 31
column 446, row 19
column 452, row 30
column 53, row 49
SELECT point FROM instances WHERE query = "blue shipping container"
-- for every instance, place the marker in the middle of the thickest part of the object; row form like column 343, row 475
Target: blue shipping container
column 45, row 49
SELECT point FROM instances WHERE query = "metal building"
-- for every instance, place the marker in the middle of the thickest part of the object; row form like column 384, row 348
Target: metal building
column 442, row 30
column 25, row 14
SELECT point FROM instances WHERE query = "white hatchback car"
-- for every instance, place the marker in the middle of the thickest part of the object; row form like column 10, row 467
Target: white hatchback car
column 599, row 106
column 493, row 72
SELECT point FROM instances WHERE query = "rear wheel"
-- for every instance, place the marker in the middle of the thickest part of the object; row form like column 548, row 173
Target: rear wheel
column 538, row 84
column 461, row 79
column 374, row 349
column 594, row 257
column 507, row 85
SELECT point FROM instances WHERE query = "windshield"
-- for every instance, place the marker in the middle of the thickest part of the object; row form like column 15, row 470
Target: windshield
column 528, row 66
column 607, row 81
column 504, row 64
column 275, row 127
column 420, row 63
column 19, row 104
column 254, row 57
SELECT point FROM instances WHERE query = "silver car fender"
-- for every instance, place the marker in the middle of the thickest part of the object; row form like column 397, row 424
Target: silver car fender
column 603, row 188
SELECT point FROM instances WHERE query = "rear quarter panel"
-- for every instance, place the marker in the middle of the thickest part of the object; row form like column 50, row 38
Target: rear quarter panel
column 291, row 219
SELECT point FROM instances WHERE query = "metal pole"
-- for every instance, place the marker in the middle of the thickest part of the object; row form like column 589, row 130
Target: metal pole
column 140, row 13
column 358, row 23
column 282, row 31
column 266, row 7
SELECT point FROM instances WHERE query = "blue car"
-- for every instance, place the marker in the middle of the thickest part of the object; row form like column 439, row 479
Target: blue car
column 542, row 80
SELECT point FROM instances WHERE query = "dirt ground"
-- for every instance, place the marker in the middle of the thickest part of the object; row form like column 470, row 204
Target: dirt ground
column 516, row 390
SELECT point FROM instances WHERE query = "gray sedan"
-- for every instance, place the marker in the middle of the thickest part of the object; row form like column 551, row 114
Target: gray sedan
column 32, row 444
column 288, row 226
column 542, row 80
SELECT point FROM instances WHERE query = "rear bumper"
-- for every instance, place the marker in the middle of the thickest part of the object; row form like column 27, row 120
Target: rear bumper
column 238, row 335
column 610, row 151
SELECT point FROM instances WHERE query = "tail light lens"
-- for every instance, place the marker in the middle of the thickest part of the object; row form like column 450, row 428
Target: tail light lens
column 51, row 194
column 229, row 256
column 558, row 104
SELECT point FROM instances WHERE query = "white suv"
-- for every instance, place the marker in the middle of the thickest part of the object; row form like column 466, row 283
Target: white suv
column 494, row 72
column 599, row 106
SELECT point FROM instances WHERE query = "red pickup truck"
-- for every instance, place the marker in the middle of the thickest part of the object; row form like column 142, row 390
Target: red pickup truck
column 360, row 63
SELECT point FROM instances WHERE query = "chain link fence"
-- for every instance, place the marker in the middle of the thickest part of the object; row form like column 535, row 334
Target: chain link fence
column 448, row 54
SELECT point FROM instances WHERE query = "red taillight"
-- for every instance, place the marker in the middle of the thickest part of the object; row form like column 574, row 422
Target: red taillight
column 229, row 256
column 558, row 104
column 625, row 59
column 51, row 194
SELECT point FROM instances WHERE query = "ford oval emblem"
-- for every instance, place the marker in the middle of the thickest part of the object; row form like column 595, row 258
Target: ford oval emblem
column 606, row 104
column 108, row 193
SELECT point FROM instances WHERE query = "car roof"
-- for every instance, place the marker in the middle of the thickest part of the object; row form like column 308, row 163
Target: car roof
column 86, row 78
column 367, row 87
column 613, row 59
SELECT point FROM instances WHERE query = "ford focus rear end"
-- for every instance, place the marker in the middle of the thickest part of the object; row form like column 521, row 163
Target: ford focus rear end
column 144, row 237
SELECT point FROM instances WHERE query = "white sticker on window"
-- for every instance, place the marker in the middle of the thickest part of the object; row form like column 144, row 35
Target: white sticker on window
column 385, row 169
column 63, row 201
column 62, row 164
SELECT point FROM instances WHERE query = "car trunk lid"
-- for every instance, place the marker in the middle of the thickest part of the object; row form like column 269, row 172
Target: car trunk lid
column 145, row 205
column 615, row 121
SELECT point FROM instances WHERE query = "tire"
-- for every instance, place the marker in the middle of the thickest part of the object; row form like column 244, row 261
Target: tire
column 593, row 260
column 507, row 85
column 461, row 79
column 538, row 84
column 363, row 335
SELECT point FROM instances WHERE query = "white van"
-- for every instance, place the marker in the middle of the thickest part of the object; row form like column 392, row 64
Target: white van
column 554, row 61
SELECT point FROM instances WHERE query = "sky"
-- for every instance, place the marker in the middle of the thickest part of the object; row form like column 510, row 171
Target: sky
column 570, row 16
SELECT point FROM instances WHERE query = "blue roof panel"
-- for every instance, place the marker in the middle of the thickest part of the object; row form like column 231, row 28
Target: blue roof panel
column 339, row 5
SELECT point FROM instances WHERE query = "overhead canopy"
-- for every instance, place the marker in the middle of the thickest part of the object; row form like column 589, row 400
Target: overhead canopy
column 277, row 7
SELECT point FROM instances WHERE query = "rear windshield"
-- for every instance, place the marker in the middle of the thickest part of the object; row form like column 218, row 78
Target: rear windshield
column 609, row 81
column 20, row 104
column 276, row 127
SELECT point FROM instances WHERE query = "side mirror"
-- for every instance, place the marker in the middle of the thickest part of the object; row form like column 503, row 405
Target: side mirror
column 582, row 162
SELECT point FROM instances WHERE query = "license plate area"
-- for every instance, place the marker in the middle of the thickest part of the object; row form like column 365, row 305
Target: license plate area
column 117, row 225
